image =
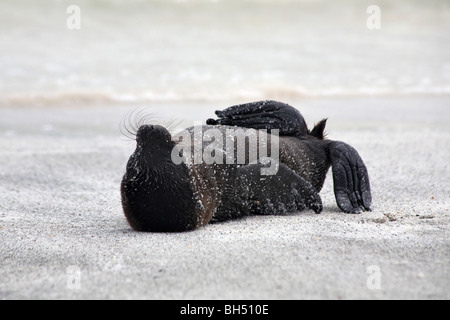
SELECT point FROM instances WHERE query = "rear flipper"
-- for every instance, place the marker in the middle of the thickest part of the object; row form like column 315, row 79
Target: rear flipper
column 265, row 114
column 351, row 180
column 249, row 192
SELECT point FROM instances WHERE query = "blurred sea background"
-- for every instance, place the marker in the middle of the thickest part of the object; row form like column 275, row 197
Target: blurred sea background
column 152, row 51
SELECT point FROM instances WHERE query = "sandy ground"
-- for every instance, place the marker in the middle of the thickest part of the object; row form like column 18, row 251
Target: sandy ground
column 63, row 234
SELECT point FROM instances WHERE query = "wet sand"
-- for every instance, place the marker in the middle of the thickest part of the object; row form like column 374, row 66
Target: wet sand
column 63, row 234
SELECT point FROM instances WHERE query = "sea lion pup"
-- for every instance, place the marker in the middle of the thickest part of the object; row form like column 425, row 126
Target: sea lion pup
column 160, row 194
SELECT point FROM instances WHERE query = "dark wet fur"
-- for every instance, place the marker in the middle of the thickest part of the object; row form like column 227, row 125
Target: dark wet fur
column 351, row 179
column 158, row 195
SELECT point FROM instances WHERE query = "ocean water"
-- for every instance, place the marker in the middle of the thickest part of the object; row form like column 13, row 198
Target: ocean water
column 221, row 50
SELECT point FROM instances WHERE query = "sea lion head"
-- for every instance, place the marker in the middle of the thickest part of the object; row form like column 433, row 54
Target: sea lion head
column 156, row 192
column 147, row 134
column 154, row 141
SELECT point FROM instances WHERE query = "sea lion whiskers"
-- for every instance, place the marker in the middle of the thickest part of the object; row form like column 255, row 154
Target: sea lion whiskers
column 137, row 118
column 125, row 131
column 127, row 127
column 143, row 118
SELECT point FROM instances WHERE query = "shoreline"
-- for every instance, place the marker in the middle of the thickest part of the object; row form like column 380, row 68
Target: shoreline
column 81, row 101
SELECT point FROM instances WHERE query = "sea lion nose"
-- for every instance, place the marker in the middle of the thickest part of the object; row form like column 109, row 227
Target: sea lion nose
column 145, row 130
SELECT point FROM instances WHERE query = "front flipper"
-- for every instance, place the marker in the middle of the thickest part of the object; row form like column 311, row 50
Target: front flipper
column 249, row 192
column 263, row 115
column 351, row 180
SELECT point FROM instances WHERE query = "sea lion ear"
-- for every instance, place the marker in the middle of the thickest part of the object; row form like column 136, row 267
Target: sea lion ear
column 319, row 130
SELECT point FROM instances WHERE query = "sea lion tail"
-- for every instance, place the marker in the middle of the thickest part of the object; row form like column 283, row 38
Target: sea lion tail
column 319, row 130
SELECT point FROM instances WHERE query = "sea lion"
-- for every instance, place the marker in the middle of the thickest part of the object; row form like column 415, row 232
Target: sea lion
column 163, row 195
